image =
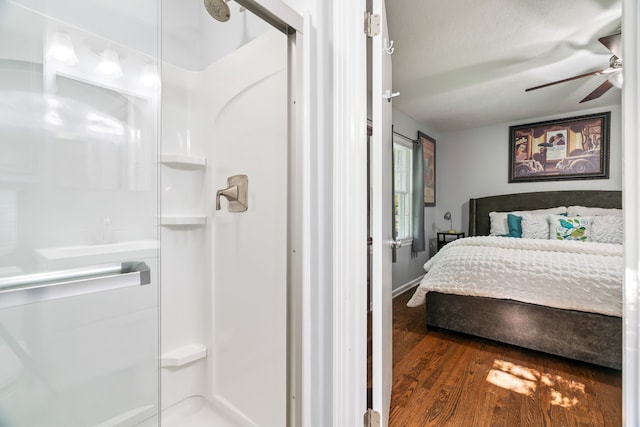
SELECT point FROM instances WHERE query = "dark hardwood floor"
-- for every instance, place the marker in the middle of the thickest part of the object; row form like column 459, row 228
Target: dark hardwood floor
column 442, row 379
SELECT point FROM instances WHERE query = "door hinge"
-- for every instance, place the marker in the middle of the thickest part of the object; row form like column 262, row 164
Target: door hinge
column 372, row 418
column 371, row 24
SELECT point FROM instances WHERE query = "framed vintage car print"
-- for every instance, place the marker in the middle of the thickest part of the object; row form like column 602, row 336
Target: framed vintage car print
column 571, row 148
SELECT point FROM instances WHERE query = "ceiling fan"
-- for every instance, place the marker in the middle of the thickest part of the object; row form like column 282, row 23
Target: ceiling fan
column 613, row 43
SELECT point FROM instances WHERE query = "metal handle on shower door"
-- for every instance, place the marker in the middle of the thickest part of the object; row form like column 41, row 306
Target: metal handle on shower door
column 30, row 288
column 235, row 193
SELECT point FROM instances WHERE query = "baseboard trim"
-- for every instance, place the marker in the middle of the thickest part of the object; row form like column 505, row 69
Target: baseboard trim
column 404, row 288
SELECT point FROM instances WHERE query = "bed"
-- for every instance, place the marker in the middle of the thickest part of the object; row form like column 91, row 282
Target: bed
column 587, row 328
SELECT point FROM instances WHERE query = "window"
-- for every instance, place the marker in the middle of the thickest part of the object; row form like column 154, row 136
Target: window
column 402, row 164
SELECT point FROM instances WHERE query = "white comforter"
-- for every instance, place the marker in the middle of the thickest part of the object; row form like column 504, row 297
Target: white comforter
column 582, row 276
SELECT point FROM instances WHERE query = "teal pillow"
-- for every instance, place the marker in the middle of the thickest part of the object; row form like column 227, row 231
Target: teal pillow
column 514, row 222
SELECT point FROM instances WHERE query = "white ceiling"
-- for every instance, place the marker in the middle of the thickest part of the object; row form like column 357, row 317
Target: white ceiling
column 466, row 63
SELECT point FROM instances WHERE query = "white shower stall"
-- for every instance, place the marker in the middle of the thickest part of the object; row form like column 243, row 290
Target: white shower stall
column 127, row 296
column 224, row 274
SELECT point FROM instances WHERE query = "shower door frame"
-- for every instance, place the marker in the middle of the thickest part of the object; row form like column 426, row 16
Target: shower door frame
column 282, row 17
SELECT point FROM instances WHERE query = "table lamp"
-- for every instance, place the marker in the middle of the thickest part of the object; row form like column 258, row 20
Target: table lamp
column 447, row 216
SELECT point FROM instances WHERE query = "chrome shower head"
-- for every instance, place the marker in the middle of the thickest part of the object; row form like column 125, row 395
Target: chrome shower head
column 218, row 9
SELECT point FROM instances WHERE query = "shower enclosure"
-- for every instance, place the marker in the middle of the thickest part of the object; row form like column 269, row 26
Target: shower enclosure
column 226, row 112
column 126, row 298
column 78, row 211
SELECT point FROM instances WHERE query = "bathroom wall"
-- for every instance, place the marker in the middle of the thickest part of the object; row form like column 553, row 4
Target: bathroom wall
column 132, row 24
column 192, row 39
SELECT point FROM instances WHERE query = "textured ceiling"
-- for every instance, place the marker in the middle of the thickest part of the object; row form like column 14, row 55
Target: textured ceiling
column 466, row 63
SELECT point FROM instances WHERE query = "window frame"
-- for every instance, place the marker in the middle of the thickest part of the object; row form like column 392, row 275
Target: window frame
column 406, row 144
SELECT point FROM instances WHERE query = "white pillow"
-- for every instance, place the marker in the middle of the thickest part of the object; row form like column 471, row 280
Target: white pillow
column 570, row 228
column 535, row 226
column 498, row 223
column 607, row 229
column 588, row 211
column 499, row 219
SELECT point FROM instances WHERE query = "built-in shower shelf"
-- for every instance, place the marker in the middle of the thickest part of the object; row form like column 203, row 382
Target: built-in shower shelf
column 183, row 355
column 185, row 160
column 183, row 220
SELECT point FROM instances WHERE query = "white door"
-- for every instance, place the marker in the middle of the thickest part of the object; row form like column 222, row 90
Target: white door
column 381, row 210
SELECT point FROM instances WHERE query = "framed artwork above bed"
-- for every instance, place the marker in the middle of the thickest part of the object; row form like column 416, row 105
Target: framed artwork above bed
column 563, row 149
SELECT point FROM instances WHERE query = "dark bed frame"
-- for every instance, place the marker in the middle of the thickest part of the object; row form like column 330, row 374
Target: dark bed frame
column 588, row 337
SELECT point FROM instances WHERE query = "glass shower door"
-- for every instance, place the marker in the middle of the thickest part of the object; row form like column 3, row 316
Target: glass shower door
column 78, row 213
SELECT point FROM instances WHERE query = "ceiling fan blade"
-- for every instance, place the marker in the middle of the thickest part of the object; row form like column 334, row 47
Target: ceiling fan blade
column 593, row 73
column 600, row 90
column 613, row 43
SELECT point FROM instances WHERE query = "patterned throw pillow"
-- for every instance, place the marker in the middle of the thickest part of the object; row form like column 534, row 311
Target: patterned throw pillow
column 570, row 228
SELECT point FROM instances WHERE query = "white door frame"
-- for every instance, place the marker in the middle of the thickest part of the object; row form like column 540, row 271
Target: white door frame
column 349, row 258
column 631, row 195
column 381, row 218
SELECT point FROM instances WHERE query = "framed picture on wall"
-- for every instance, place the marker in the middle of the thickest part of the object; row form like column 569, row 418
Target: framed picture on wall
column 571, row 148
column 429, row 152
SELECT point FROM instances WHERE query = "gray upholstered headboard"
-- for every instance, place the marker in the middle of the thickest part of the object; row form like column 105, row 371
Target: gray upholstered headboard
column 479, row 208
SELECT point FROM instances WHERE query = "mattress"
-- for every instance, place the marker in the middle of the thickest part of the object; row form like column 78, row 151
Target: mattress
column 574, row 275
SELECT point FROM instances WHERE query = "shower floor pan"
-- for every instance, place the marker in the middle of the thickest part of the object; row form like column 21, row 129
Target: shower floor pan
column 193, row 411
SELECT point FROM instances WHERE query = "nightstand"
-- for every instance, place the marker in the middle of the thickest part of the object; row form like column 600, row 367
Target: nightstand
column 444, row 238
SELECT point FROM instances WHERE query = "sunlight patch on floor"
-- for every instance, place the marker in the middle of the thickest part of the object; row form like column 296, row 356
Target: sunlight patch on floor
column 511, row 382
column 570, row 390
column 523, row 380
column 513, row 377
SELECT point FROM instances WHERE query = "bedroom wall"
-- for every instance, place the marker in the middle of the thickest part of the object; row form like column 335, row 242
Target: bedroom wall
column 406, row 269
column 474, row 163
